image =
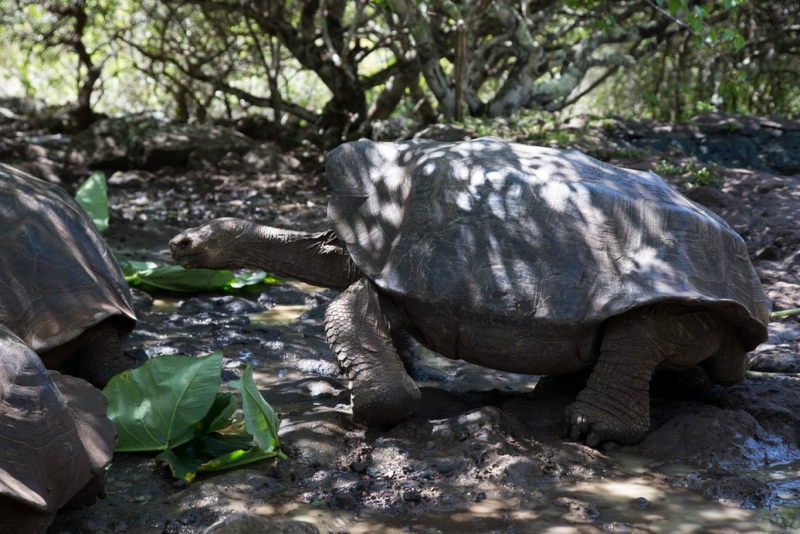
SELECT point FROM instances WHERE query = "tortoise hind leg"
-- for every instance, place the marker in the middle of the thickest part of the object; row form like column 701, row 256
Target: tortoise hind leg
column 728, row 365
column 359, row 332
column 100, row 355
column 615, row 406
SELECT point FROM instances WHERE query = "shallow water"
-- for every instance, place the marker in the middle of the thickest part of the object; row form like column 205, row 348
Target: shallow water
column 281, row 314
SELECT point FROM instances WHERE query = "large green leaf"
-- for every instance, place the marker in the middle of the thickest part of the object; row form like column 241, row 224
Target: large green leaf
column 219, row 415
column 160, row 404
column 131, row 268
column 212, row 452
column 176, row 278
column 233, row 445
column 92, row 196
column 260, row 419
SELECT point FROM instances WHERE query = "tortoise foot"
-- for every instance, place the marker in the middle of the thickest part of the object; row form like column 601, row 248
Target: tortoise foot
column 598, row 425
column 386, row 403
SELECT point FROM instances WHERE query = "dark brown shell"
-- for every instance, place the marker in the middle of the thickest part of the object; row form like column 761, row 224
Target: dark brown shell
column 54, row 441
column 58, row 275
column 539, row 243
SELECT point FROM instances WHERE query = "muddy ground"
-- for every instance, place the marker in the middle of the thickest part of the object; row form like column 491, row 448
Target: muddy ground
column 485, row 452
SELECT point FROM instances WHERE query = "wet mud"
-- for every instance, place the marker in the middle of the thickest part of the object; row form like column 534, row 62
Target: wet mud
column 485, row 453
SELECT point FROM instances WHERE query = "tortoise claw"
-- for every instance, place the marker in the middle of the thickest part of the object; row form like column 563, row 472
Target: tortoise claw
column 585, row 420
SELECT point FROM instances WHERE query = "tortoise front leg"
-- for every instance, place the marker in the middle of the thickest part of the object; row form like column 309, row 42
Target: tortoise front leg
column 360, row 335
column 615, row 406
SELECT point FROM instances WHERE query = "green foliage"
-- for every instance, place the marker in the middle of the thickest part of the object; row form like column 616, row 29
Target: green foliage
column 695, row 173
column 92, row 196
column 701, row 175
column 716, row 62
column 322, row 65
column 784, row 313
column 667, row 168
column 159, row 405
column 150, row 276
column 172, row 404
column 260, row 419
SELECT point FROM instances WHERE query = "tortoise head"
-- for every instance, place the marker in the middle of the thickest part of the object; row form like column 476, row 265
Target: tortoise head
column 208, row 246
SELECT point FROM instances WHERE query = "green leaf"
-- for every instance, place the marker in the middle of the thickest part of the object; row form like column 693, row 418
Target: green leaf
column 219, row 415
column 159, row 404
column 251, row 279
column 696, row 22
column 131, row 268
column 92, row 196
column 260, row 419
column 784, row 313
column 212, row 452
column 176, row 278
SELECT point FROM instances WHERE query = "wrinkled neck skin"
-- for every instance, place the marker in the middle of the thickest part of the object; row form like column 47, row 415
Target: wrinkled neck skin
column 316, row 258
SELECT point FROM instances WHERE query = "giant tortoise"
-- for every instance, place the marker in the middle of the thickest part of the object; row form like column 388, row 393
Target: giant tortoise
column 64, row 305
column 514, row 257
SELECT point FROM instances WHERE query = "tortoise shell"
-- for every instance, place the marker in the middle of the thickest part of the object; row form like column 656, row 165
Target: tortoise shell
column 58, row 275
column 490, row 245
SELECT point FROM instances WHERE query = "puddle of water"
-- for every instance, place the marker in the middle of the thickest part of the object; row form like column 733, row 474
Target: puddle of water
column 663, row 511
column 166, row 305
column 784, row 481
column 305, row 288
column 282, row 314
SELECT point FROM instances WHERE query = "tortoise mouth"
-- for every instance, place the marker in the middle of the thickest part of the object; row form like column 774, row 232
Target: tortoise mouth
column 183, row 253
column 188, row 260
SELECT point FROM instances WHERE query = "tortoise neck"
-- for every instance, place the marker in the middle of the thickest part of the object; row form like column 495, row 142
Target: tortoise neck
column 317, row 258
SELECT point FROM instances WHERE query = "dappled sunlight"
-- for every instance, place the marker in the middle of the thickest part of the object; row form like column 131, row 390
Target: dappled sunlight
column 499, row 244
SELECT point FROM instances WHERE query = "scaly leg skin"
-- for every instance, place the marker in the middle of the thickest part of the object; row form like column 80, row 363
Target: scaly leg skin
column 615, row 406
column 360, row 336
column 100, row 355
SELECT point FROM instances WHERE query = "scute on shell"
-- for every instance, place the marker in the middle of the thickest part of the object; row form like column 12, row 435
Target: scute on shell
column 54, row 441
column 509, row 237
column 59, row 275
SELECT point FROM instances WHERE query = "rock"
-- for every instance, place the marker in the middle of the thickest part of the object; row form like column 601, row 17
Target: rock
column 109, row 143
column 147, row 141
column 135, row 178
column 783, row 154
column 385, row 130
column 775, row 404
column 445, row 132
column 254, row 524
column 709, row 436
column 745, row 492
column 7, row 116
column 269, row 157
column 172, row 144
column 723, row 139
column 781, row 353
